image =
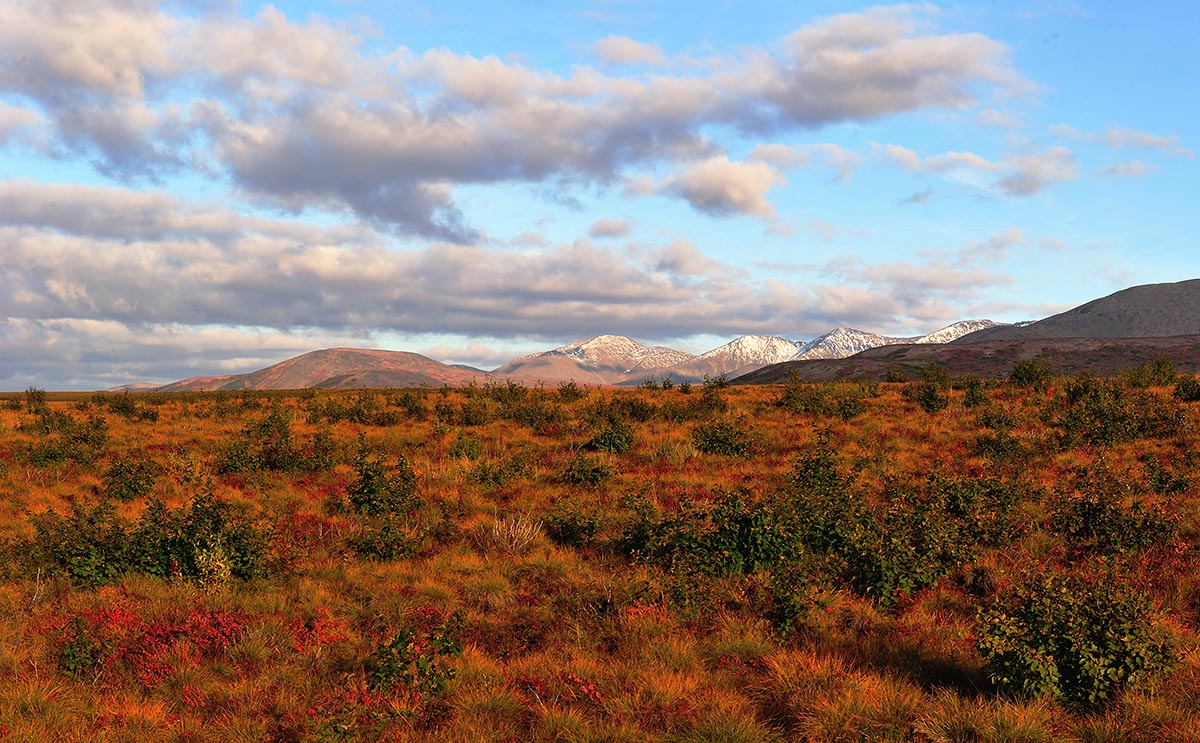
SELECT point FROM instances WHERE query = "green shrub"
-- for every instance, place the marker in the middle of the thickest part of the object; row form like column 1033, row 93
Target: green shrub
column 1034, row 374
column 417, row 662
column 377, row 490
column 35, row 400
column 466, row 447
column 129, row 479
column 500, row 472
column 1157, row 373
column 974, row 393
column 1187, row 389
column 390, row 536
column 1104, row 412
column 932, row 391
column 615, row 438
column 1077, row 638
column 88, row 546
column 570, row 527
column 206, row 540
column 845, row 400
column 570, row 391
column 1104, row 512
column 585, row 470
column 729, row 437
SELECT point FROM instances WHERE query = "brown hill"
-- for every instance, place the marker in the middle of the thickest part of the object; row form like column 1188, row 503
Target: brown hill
column 1098, row 356
column 340, row 368
column 1150, row 310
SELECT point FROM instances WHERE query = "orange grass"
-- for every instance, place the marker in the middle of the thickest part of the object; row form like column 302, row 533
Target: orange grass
column 561, row 640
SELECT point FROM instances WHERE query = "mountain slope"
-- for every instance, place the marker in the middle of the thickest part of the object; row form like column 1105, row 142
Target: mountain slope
column 739, row 356
column 338, row 367
column 1147, row 311
column 604, row 359
column 1098, row 356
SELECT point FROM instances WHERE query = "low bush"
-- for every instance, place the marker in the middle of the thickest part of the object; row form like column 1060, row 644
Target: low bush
column 379, row 490
column 1078, row 638
column 729, row 437
column 1187, row 389
column 128, row 479
column 585, row 470
column 419, row 662
column 615, row 438
column 1034, row 374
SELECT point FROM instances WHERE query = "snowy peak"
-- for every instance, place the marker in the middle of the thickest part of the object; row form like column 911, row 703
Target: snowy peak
column 750, row 350
column 622, row 352
column 957, row 330
column 842, row 342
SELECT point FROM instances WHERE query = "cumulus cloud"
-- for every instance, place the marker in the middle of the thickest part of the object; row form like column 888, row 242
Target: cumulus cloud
column 300, row 115
column 203, row 290
column 611, row 228
column 720, row 187
column 1014, row 174
column 624, row 50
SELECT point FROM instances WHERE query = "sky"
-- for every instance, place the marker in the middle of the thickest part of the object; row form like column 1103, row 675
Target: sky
column 192, row 188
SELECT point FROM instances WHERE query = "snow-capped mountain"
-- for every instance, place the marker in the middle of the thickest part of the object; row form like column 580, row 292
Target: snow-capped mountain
column 956, row 330
column 738, row 356
column 842, row 342
column 605, row 359
column 620, row 351
column 754, row 349
column 617, row 359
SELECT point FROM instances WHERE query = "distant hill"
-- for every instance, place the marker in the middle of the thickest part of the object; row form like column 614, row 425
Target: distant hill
column 993, row 358
column 1147, row 311
column 339, row 368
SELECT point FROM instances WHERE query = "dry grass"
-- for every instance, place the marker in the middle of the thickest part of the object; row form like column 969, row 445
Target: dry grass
column 568, row 632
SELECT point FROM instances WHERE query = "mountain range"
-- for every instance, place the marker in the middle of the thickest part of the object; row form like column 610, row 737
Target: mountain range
column 979, row 346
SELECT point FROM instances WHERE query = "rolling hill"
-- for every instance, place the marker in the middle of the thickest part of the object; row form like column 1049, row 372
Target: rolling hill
column 339, row 368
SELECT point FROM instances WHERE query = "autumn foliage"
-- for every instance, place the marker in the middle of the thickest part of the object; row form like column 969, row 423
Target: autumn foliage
column 932, row 560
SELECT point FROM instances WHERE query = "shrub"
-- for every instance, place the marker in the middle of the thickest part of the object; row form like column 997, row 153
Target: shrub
column 1157, row 373
column 130, row 479
column 35, row 400
column 1077, row 638
column 974, row 394
column 571, row 528
column 1104, row 512
column 391, row 536
column 1034, row 374
column 1187, row 389
column 1104, row 412
column 466, row 447
column 88, row 546
column 264, row 445
column 585, row 470
column 207, row 540
column 615, row 438
column 729, row 437
column 376, row 490
column 499, row 473
column 417, row 662
column 931, row 392
column 570, row 391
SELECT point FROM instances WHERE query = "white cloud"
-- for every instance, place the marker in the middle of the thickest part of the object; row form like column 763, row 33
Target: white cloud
column 300, row 114
column 611, row 228
column 1014, row 174
column 720, row 187
column 624, row 50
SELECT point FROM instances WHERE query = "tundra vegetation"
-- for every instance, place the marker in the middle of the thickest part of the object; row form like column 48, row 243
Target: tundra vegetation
column 930, row 560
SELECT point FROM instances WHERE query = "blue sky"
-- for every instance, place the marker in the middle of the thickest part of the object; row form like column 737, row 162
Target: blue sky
column 191, row 188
